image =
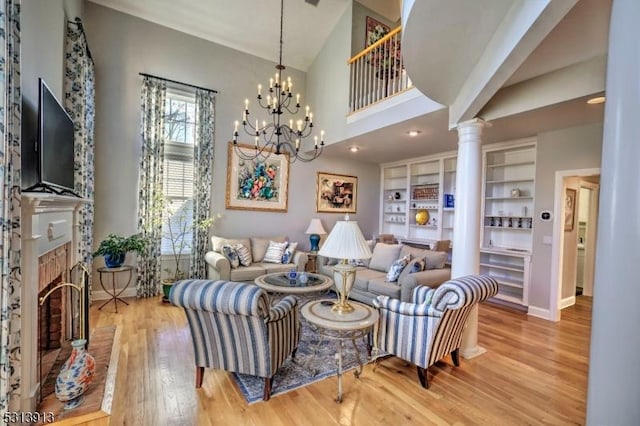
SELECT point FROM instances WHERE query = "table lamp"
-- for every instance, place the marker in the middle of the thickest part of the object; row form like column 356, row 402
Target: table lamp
column 345, row 242
column 315, row 229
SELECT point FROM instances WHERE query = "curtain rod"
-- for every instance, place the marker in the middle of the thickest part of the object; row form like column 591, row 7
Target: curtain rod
column 78, row 22
column 178, row 82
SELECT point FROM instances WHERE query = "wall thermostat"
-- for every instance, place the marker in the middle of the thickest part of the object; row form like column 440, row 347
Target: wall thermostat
column 545, row 215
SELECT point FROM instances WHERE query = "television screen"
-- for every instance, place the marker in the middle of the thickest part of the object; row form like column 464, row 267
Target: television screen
column 55, row 141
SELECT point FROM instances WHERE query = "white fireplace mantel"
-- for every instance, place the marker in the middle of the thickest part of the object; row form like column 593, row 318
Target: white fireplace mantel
column 48, row 221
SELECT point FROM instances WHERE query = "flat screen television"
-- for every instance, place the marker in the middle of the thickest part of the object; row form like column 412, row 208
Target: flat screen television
column 54, row 145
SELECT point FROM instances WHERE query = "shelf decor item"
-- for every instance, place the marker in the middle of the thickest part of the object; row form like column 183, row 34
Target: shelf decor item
column 336, row 193
column 422, row 217
column 75, row 376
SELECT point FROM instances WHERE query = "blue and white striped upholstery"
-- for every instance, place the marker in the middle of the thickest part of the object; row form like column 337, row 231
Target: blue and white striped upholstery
column 234, row 329
column 430, row 328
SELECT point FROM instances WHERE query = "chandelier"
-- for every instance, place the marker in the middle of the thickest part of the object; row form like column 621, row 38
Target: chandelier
column 278, row 136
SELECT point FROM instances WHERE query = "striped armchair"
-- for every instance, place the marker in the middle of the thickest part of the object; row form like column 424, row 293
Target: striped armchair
column 426, row 330
column 233, row 328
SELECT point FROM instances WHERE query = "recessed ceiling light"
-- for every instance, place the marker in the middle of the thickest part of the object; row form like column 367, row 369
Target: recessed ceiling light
column 413, row 133
column 598, row 100
column 354, row 149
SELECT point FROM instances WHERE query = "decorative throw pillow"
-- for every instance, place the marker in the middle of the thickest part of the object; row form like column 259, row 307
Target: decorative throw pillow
column 217, row 243
column 332, row 261
column 396, row 269
column 231, row 255
column 274, row 252
column 415, row 265
column 383, row 256
column 287, row 257
column 356, row 262
column 244, row 254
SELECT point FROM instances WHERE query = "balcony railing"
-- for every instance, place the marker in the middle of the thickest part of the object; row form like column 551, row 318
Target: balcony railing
column 377, row 72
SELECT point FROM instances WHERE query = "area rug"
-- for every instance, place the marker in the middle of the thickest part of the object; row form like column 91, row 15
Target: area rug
column 293, row 374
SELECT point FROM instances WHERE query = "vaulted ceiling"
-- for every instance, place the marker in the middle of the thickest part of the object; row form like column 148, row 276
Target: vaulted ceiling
column 253, row 27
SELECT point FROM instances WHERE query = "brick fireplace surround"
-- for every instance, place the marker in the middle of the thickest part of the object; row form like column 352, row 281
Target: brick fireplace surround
column 50, row 237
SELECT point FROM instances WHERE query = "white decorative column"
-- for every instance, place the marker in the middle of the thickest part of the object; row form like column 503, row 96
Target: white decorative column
column 466, row 226
column 614, row 374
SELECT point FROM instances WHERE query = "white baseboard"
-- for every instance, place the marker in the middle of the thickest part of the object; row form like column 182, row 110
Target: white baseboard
column 567, row 301
column 539, row 313
column 103, row 295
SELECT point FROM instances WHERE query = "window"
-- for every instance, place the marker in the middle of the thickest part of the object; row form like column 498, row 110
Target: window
column 180, row 122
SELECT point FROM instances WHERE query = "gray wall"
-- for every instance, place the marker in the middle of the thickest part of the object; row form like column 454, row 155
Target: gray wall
column 123, row 46
column 332, row 102
column 566, row 149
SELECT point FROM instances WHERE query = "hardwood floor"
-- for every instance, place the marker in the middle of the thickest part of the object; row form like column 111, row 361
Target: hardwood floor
column 534, row 372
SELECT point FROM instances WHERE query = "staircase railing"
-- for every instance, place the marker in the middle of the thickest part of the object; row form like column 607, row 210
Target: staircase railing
column 377, row 72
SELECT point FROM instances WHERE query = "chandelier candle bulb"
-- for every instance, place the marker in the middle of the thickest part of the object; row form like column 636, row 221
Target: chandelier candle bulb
column 315, row 140
column 297, row 144
column 259, row 89
column 298, row 99
column 311, row 117
column 271, row 84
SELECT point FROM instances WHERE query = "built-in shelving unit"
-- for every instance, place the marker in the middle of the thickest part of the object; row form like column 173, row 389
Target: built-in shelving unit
column 506, row 225
column 421, row 184
column 509, row 184
column 394, row 199
column 511, row 270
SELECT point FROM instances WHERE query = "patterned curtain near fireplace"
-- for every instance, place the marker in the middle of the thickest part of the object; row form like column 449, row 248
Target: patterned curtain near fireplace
column 79, row 87
column 202, row 178
column 150, row 184
column 10, row 284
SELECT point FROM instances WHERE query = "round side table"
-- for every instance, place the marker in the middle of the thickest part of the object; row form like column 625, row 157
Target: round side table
column 340, row 327
column 114, row 293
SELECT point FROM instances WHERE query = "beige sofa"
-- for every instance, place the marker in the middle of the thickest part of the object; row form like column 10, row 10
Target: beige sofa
column 219, row 267
column 371, row 278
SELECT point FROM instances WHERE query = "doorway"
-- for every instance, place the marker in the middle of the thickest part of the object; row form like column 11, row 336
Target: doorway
column 571, row 225
column 580, row 213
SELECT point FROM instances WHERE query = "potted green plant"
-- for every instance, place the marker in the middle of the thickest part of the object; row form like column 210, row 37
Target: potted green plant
column 177, row 230
column 115, row 247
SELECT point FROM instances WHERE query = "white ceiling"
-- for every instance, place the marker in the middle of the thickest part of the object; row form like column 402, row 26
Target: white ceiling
column 247, row 25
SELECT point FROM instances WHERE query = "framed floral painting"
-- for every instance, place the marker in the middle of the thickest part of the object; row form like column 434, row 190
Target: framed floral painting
column 256, row 185
column 375, row 31
column 336, row 193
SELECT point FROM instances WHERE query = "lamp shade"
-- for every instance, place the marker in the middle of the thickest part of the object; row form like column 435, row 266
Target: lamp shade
column 345, row 241
column 315, row 227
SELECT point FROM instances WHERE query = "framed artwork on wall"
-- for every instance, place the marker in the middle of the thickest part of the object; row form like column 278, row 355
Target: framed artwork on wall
column 569, row 209
column 256, row 185
column 375, row 31
column 336, row 193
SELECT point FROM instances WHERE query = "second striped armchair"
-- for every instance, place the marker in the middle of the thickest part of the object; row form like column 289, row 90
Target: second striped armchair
column 431, row 327
column 233, row 328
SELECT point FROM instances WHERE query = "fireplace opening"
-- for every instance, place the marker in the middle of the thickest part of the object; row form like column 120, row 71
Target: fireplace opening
column 60, row 320
column 52, row 326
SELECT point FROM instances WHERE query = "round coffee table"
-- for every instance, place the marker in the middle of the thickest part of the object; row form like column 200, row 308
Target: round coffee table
column 279, row 282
